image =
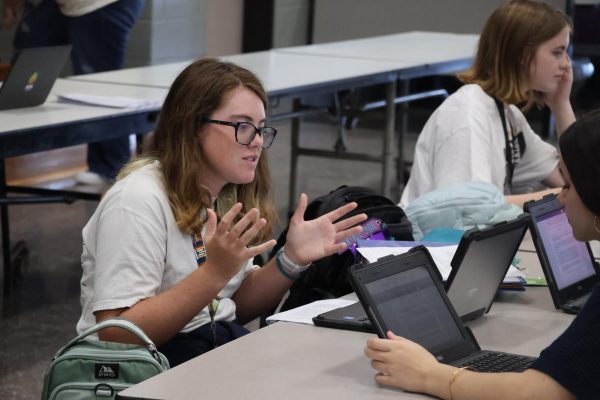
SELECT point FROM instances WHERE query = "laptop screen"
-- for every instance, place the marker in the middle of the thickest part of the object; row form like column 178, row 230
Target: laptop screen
column 480, row 264
column 412, row 307
column 568, row 258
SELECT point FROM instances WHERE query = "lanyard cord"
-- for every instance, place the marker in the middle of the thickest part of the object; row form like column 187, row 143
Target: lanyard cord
column 200, row 251
column 509, row 143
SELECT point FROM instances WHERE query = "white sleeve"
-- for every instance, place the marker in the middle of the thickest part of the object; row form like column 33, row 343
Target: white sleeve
column 130, row 252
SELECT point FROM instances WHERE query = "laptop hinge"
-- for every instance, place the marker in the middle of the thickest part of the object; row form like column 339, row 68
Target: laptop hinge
column 470, row 333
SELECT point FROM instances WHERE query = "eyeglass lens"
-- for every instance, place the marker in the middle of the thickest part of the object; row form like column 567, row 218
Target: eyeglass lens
column 246, row 132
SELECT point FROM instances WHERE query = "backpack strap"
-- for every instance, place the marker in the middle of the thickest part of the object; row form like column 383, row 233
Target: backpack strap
column 118, row 323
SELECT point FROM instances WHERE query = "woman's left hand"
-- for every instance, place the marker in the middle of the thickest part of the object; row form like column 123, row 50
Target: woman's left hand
column 308, row 241
column 401, row 363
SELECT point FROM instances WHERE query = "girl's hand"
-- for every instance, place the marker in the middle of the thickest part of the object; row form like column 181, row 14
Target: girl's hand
column 308, row 241
column 401, row 363
column 561, row 96
column 227, row 243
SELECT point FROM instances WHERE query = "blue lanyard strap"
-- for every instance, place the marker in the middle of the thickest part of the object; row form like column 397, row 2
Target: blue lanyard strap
column 199, row 248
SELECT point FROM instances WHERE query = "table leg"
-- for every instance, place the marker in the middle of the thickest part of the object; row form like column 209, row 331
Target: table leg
column 388, row 139
column 402, row 124
column 294, row 159
column 341, row 144
column 6, row 254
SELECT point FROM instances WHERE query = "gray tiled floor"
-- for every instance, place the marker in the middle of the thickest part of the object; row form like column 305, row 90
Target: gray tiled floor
column 40, row 315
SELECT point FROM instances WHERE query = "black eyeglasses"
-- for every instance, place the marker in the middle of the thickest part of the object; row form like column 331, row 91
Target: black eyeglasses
column 246, row 131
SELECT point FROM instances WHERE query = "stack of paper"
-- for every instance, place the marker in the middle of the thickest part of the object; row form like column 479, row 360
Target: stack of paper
column 442, row 254
column 110, row 101
column 304, row 314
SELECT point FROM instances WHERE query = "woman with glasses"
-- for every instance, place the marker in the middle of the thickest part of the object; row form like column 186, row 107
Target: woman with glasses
column 171, row 244
column 567, row 369
column 479, row 133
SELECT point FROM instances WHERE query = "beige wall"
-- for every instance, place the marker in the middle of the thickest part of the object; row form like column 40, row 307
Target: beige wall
column 224, row 27
column 290, row 25
column 349, row 19
column 175, row 30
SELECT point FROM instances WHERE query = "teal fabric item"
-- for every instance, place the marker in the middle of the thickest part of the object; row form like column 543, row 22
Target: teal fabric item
column 462, row 206
column 444, row 235
column 99, row 370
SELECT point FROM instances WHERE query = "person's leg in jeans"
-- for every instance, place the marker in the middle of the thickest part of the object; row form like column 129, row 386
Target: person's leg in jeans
column 99, row 42
column 42, row 25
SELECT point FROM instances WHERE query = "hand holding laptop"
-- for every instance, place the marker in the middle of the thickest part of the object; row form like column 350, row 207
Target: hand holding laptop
column 406, row 364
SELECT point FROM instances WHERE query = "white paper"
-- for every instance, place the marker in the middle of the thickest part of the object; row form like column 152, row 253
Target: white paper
column 304, row 314
column 110, row 101
column 442, row 256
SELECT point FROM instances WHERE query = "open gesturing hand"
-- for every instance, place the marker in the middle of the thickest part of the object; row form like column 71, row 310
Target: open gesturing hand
column 227, row 242
column 308, row 241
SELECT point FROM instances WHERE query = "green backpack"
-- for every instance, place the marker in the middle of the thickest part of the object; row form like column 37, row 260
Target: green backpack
column 96, row 369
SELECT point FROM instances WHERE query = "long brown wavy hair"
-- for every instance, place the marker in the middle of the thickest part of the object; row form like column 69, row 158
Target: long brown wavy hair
column 196, row 93
column 507, row 47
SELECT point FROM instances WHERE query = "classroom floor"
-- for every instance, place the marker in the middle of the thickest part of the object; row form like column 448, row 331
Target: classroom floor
column 40, row 315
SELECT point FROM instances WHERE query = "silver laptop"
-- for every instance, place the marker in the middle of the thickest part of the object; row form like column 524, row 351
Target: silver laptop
column 480, row 264
column 32, row 76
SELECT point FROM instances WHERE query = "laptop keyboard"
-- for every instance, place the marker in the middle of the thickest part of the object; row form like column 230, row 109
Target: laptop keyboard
column 578, row 303
column 500, row 362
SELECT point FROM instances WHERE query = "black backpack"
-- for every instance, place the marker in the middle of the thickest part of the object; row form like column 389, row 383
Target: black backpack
column 327, row 277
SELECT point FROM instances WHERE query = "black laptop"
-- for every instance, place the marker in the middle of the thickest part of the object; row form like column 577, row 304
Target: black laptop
column 568, row 265
column 32, row 76
column 479, row 266
column 405, row 294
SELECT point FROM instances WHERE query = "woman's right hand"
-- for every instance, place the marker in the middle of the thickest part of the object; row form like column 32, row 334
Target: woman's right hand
column 227, row 243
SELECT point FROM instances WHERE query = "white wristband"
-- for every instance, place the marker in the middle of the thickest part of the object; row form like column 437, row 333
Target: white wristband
column 287, row 267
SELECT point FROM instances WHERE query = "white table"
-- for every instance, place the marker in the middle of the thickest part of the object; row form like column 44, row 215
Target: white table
column 57, row 124
column 283, row 74
column 415, row 47
column 34, row 129
column 292, row 361
column 332, row 67
column 293, row 75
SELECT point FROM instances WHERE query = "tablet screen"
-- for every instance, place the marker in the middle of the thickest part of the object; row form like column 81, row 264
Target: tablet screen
column 411, row 306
